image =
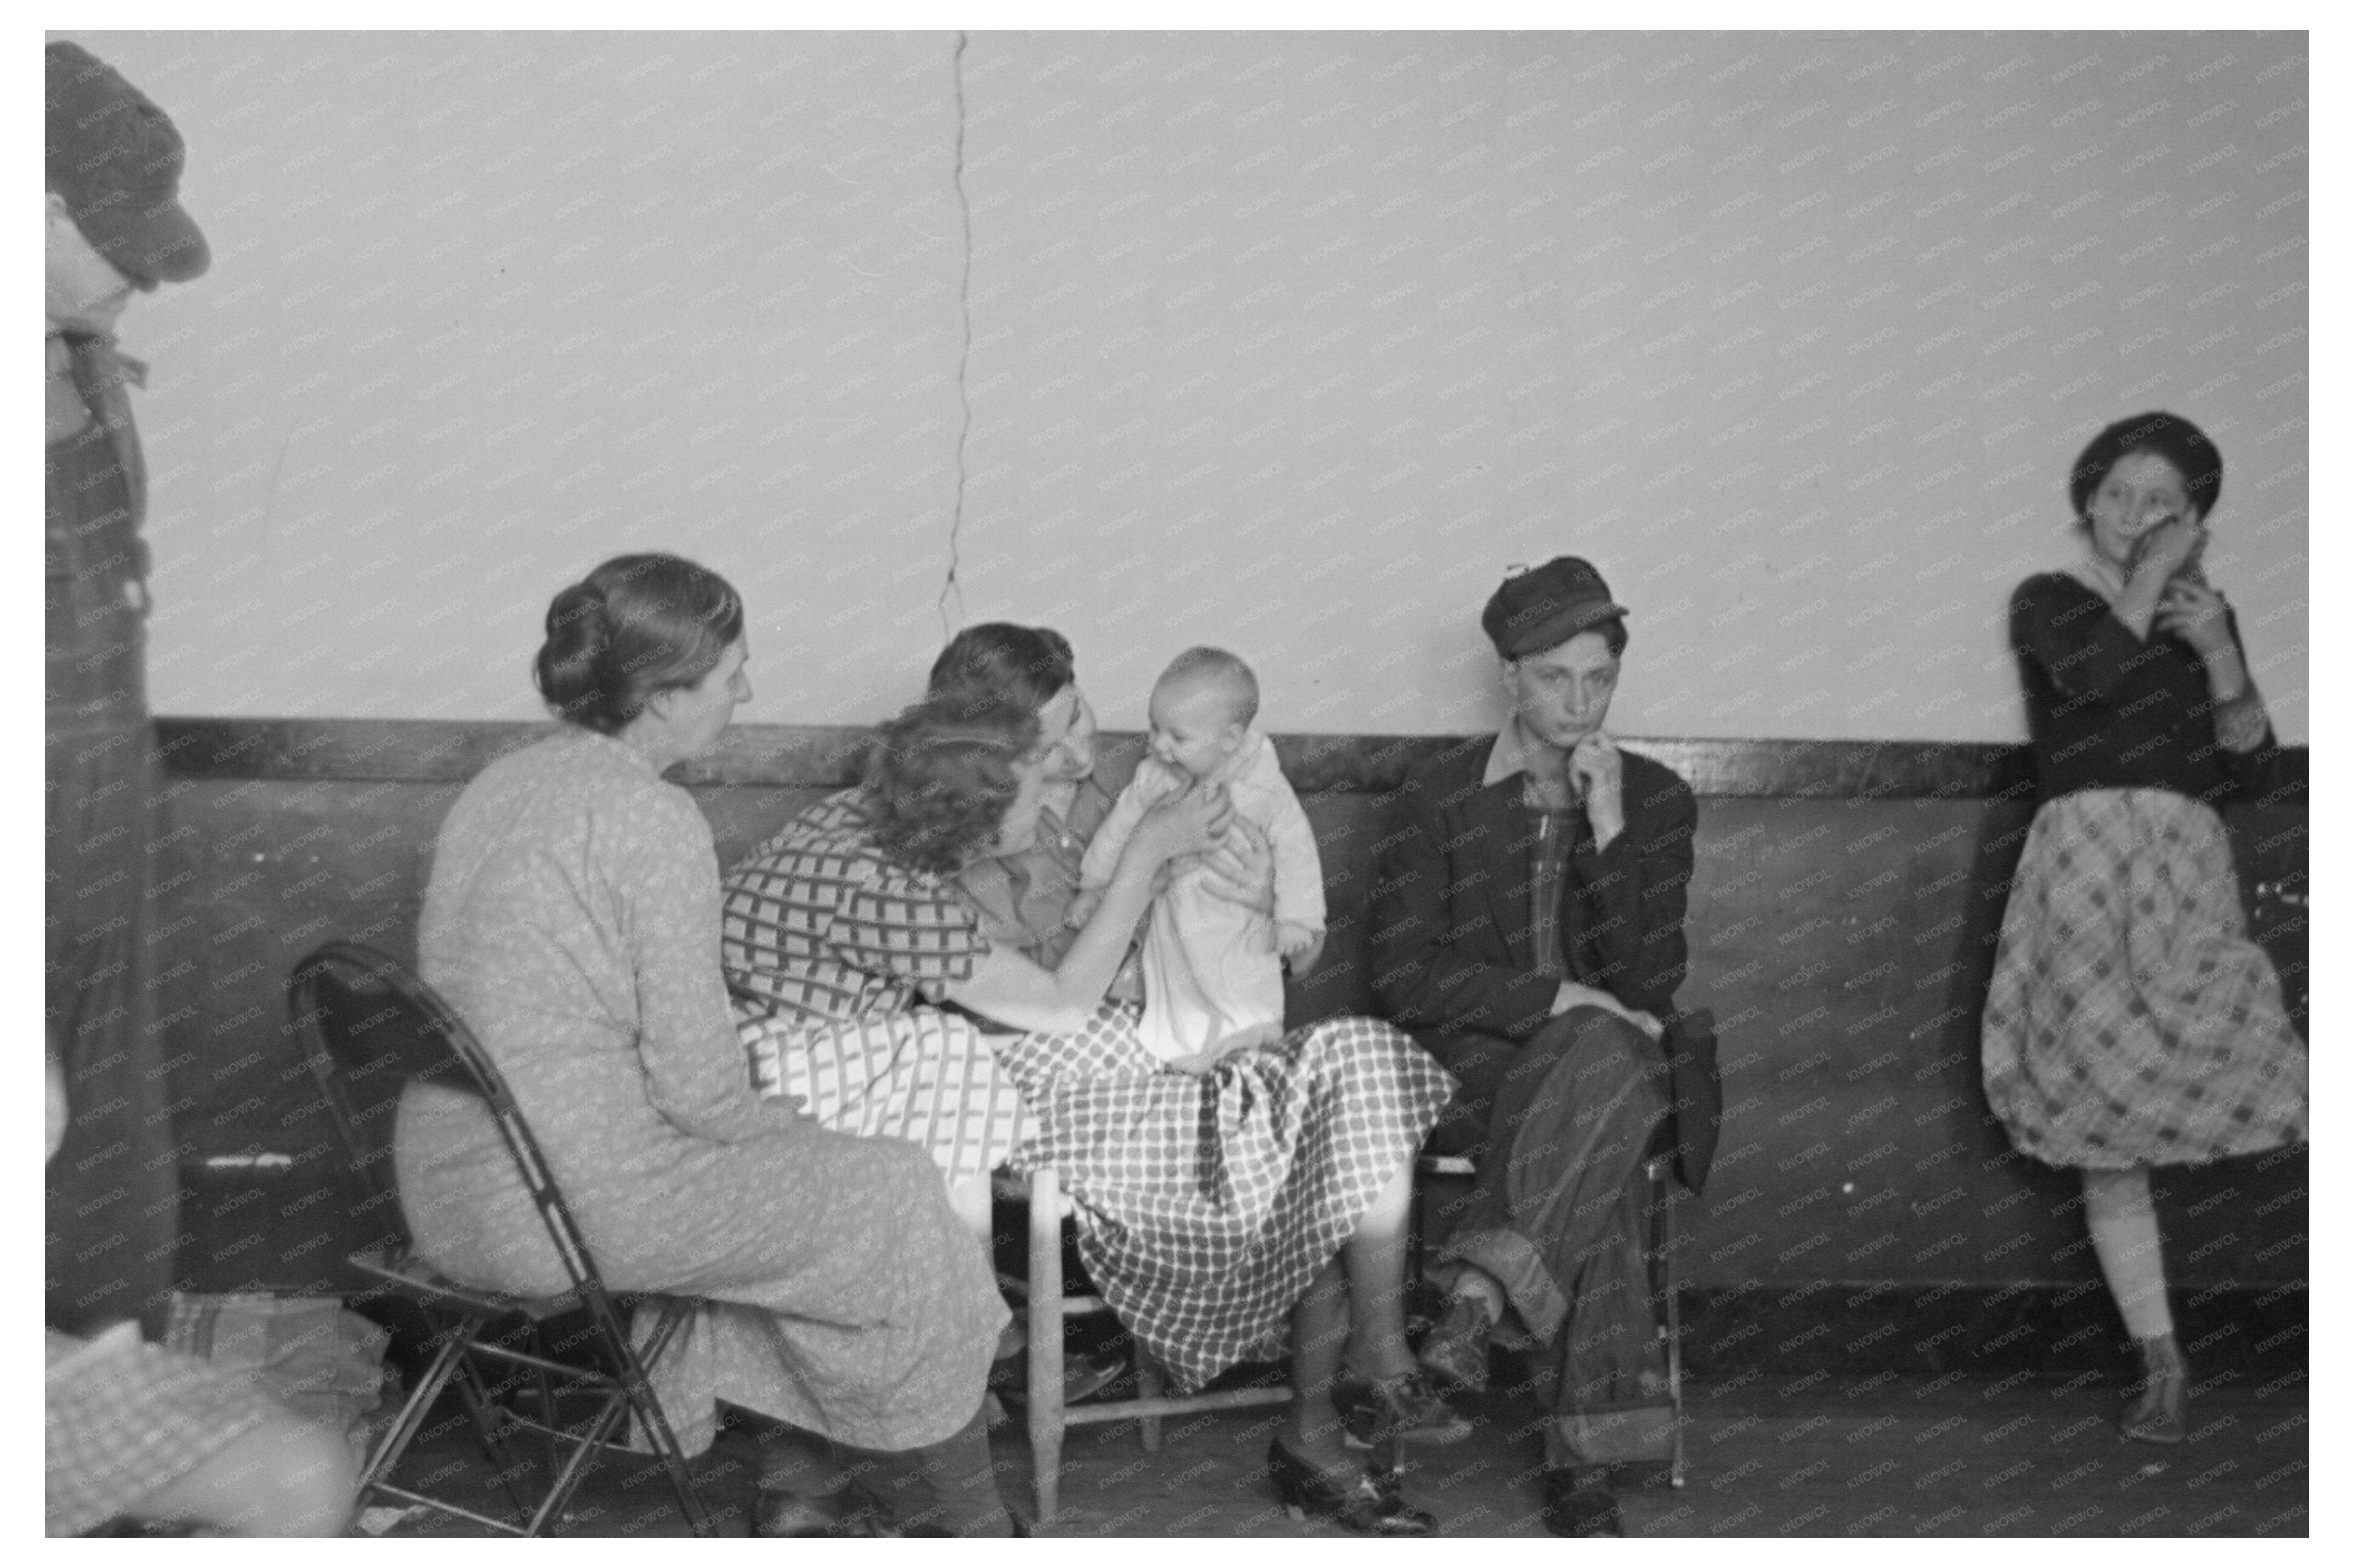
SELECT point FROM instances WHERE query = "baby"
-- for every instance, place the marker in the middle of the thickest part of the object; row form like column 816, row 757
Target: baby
column 1212, row 963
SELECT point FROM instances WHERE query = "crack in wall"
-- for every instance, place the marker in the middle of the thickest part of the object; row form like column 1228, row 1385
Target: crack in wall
column 950, row 586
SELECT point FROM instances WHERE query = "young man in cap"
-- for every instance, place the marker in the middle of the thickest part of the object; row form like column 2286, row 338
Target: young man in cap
column 115, row 227
column 1528, row 926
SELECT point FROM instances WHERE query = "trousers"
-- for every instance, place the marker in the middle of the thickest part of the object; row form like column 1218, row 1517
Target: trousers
column 1558, row 1215
column 112, row 1217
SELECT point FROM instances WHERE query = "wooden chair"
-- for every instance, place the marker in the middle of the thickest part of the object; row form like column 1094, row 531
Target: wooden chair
column 368, row 1027
column 1660, row 1170
column 1048, row 1310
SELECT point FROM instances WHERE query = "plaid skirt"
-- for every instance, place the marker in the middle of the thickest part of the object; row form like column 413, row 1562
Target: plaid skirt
column 2131, row 1021
column 1205, row 1204
column 924, row 1075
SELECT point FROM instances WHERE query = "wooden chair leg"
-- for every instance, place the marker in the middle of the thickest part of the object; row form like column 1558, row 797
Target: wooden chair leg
column 1149, row 1385
column 1045, row 1339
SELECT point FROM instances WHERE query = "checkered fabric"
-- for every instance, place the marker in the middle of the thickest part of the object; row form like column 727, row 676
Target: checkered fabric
column 818, row 923
column 924, row 1075
column 126, row 1419
column 1205, row 1204
column 2131, row 1021
column 1549, row 848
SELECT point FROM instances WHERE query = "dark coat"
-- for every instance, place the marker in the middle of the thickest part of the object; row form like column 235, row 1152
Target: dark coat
column 1450, row 943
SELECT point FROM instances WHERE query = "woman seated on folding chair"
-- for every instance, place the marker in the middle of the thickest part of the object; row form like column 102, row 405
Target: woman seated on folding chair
column 1213, row 1205
column 572, row 920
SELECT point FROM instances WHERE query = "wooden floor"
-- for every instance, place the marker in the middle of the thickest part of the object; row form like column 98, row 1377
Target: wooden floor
column 1816, row 1454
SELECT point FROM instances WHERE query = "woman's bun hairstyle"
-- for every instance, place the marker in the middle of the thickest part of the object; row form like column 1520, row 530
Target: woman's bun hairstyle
column 940, row 776
column 636, row 626
column 2171, row 437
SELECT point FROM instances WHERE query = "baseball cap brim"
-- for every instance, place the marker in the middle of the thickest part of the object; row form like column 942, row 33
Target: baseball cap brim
column 152, row 241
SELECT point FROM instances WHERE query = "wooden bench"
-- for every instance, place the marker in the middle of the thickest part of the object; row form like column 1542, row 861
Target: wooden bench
column 1844, row 909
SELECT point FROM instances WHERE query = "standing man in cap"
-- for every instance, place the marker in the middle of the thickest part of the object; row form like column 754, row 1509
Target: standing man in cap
column 115, row 227
column 1528, row 926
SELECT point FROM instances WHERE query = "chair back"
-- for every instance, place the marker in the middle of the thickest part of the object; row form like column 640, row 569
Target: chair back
column 368, row 1028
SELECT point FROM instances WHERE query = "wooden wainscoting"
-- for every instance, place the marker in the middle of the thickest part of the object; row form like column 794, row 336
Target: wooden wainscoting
column 1844, row 909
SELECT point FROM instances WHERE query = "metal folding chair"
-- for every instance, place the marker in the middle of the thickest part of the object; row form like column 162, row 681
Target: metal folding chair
column 1659, row 1254
column 368, row 1027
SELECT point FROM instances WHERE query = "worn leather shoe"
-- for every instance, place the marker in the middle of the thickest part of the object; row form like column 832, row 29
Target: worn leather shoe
column 1455, row 1352
column 1369, row 1502
column 1578, row 1502
column 1399, row 1409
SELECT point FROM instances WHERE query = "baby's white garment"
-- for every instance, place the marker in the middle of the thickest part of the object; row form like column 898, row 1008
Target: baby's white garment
column 1212, row 977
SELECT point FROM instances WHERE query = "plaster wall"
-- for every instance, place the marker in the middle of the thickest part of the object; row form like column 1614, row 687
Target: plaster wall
column 1291, row 342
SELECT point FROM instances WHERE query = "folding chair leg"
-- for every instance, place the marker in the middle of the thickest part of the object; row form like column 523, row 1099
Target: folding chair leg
column 394, row 1445
column 1675, row 1358
column 566, row 1481
column 489, row 1428
column 450, row 1366
column 635, row 1397
column 655, row 1423
column 1663, row 1235
column 548, row 1414
column 1046, row 1346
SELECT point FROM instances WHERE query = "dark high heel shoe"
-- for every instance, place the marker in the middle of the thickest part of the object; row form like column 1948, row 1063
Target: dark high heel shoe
column 1402, row 1409
column 2157, row 1415
column 1366, row 1503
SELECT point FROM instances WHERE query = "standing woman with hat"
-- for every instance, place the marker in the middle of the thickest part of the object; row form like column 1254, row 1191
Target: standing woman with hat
column 2131, row 1022
column 114, row 226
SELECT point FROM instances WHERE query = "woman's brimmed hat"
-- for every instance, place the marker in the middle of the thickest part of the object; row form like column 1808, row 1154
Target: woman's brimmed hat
column 115, row 159
column 1543, row 607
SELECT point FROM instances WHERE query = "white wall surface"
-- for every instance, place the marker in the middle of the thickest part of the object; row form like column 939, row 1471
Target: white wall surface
column 1291, row 342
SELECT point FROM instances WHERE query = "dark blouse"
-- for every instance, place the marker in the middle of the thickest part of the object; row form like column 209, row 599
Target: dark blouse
column 2107, row 711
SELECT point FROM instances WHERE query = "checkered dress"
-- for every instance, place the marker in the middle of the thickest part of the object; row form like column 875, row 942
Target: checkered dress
column 2131, row 1021
column 831, row 946
column 1205, row 1204
column 126, row 1419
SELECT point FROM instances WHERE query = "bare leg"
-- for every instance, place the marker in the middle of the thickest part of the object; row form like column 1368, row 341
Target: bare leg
column 2124, row 1224
column 1376, row 1258
column 1319, row 1334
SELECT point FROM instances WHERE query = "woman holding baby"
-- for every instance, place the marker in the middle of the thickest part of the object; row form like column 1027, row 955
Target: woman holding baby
column 1229, row 1185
